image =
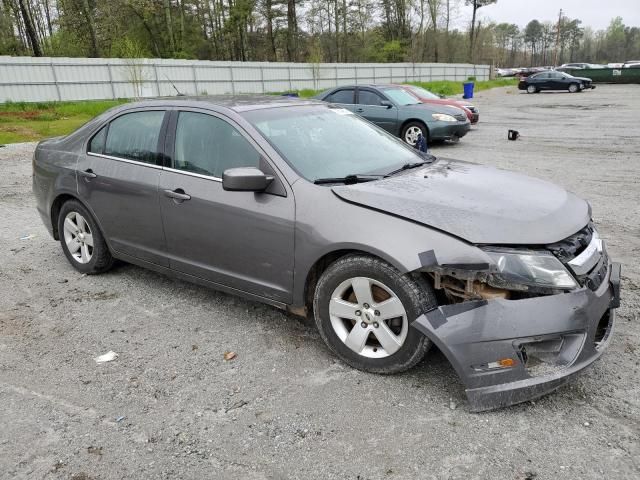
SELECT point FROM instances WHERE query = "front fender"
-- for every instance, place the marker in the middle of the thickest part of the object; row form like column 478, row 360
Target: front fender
column 326, row 224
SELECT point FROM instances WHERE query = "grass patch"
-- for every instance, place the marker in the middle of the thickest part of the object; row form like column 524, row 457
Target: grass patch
column 28, row 122
column 304, row 93
column 450, row 87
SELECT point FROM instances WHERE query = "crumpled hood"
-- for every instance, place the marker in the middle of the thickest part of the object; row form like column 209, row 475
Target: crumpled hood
column 478, row 203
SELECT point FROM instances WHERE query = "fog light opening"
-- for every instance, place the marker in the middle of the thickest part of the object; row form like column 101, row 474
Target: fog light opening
column 602, row 330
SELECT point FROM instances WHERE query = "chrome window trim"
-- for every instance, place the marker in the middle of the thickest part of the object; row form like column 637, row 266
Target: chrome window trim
column 158, row 167
column 192, row 174
column 125, row 160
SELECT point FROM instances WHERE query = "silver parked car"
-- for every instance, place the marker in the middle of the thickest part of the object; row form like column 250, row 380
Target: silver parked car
column 310, row 208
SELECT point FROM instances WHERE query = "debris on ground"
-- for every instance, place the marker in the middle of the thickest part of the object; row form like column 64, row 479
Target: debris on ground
column 28, row 237
column 94, row 450
column 107, row 357
column 228, row 356
column 238, row 404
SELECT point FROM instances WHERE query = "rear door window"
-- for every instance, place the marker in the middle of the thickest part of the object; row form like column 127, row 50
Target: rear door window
column 341, row 96
column 134, row 136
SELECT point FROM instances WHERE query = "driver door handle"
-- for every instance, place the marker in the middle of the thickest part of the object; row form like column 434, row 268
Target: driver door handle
column 88, row 173
column 177, row 194
column 359, row 110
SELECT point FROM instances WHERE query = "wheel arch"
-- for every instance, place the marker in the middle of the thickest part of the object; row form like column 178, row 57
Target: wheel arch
column 54, row 212
column 315, row 271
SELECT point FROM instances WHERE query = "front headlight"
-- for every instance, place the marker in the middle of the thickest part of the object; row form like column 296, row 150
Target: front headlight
column 529, row 269
column 443, row 117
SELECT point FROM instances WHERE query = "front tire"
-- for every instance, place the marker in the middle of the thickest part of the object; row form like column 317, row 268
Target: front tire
column 573, row 88
column 363, row 308
column 411, row 131
column 81, row 239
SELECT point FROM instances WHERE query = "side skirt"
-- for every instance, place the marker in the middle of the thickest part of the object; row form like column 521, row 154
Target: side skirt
column 197, row 280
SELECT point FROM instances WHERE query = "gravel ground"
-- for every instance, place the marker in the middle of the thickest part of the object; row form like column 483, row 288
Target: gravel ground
column 170, row 406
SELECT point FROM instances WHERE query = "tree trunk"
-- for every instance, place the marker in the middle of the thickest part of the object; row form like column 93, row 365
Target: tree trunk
column 337, row 28
column 95, row 52
column 169, row 26
column 30, row 30
column 272, row 40
column 344, row 31
column 292, row 33
column 473, row 31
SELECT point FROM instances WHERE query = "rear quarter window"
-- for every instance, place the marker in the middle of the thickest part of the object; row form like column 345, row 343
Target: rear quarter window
column 134, row 136
column 96, row 144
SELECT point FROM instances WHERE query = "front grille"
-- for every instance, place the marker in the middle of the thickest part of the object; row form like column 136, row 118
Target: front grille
column 571, row 247
column 472, row 109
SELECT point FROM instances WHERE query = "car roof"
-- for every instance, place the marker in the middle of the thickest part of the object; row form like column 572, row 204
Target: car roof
column 237, row 103
column 371, row 85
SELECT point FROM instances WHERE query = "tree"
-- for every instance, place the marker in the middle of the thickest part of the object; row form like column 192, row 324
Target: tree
column 30, row 30
column 532, row 36
column 475, row 5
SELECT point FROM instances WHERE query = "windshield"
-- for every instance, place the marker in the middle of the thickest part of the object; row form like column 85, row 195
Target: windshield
column 321, row 141
column 424, row 93
column 400, row 96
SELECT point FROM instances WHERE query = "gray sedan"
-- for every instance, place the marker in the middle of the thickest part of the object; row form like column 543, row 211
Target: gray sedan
column 400, row 113
column 307, row 207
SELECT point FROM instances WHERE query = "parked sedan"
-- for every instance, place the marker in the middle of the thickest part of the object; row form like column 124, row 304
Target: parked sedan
column 553, row 80
column 400, row 113
column 307, row 207
column 425, row 96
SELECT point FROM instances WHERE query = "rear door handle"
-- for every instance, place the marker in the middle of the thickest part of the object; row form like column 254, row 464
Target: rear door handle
column 177, row 194
column 88, row 173
column 359, row 110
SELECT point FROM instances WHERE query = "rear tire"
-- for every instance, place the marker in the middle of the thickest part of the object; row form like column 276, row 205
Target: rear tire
column 532, row 89
column 573, row 88
column 81, row 239
column 363, row 308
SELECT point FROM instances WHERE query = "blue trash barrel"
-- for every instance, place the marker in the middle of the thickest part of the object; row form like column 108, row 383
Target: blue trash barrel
column 468, row 89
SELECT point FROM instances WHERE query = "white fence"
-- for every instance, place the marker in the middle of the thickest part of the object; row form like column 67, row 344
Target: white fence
column 45, row 79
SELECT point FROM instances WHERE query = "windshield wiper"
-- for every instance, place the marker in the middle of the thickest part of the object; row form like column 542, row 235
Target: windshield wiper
column 348, row 179
column 409, row 166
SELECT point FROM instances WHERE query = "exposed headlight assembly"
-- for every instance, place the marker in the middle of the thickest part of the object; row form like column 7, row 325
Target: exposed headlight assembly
column 443, row 117
column 518, row 270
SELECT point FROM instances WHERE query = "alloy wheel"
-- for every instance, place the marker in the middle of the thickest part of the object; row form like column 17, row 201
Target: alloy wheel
column 412, row 134
column 78, row 237
column 368, row 317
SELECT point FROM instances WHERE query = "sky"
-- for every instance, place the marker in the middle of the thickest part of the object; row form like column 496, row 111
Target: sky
column 594, row 13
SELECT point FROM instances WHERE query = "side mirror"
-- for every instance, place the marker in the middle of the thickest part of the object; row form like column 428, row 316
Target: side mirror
column 386, row 103
column 245, row 179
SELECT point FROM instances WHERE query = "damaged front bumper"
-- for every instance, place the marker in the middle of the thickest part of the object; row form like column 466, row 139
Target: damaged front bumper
column 511, row 351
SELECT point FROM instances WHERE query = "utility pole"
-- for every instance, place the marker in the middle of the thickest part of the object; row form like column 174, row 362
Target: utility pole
column 555, row 53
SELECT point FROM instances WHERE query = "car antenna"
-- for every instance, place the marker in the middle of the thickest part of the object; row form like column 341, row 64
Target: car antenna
column 174, row 87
